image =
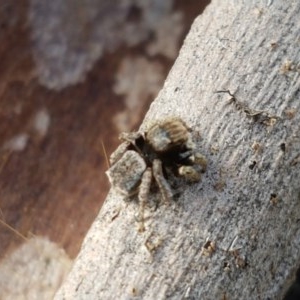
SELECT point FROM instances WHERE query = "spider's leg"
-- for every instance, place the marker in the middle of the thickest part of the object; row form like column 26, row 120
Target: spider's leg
column 161, row 181
column 144, row 190
column 118, row 153
column 135, row 139
column 130, row 137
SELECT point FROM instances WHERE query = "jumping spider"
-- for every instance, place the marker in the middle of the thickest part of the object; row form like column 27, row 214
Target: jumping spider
column 166, row 146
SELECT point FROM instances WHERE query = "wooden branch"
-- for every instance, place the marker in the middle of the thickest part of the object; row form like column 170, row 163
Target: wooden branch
column 236, row 235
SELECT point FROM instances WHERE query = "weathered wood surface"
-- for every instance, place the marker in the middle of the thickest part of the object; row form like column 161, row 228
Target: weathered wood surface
column 248, row 202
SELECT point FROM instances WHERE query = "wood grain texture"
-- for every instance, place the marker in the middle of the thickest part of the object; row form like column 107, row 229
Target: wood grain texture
column 248, row 211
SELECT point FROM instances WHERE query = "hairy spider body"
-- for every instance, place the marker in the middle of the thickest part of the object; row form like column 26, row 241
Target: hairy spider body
column 144, row 156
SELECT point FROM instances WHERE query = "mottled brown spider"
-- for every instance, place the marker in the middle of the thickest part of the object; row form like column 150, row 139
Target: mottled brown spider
column 166, row 146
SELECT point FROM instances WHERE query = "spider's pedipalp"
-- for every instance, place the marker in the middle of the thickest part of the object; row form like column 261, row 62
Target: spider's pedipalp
column 200, row 160
column 161, row 181
column 189, row 173
column 144, row 190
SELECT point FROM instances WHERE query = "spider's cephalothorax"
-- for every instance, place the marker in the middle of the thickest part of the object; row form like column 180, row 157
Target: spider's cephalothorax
column 166, row 145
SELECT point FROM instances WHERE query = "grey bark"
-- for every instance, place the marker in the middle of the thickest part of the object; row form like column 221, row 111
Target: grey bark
column 248, row 203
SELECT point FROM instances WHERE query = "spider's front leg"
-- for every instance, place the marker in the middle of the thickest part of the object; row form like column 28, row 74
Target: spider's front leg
column 161, row 181
column 188, row 171
column 144, row 190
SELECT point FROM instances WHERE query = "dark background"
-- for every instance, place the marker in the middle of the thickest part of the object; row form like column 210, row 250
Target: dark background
column 54, row 183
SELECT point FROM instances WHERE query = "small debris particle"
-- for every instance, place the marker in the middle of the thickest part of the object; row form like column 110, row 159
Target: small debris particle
column 208, row 248
column 290, row 113
column 220, row 185
column 287, row 67
column 115, row 214
column 258, row 11
column 273, row 199
column 274, row 45
column 214, row 149
column 252, row 165
column 226, row 266
column 295, row 160
column 259, row 116
column 256, row 147
column 240, row 261
column 153, row 243
column 134, row 292
column 224, row 297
